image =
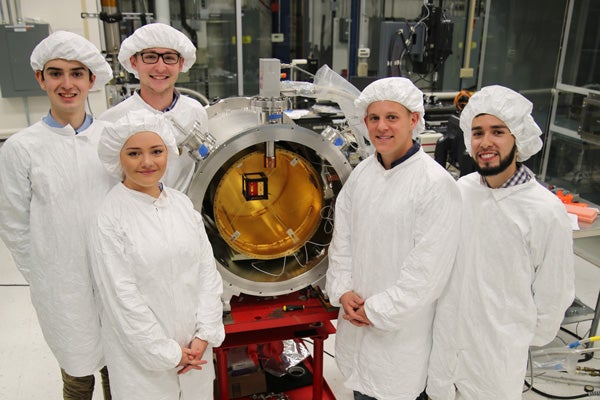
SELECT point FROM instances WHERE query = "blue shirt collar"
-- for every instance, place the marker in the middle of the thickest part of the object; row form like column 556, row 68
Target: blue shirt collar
column 50, row 121
column 173, row 103
column 413, row 150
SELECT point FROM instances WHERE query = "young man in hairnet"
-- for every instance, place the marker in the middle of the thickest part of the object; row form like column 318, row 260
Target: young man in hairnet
column 513, row 278
column 156, row 54
column 395, row 237
column 51, row 181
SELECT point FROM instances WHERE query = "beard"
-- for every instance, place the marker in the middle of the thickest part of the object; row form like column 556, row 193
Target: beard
column 501, row 167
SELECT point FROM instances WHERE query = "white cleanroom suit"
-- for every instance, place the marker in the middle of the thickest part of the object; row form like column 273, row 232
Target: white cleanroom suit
column 509, row 289
column 51, row 182
column 159, row 286
column 394, row 243
column 185, row 112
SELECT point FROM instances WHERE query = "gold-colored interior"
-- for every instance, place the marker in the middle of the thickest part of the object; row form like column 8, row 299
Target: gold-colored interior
column 277, row 226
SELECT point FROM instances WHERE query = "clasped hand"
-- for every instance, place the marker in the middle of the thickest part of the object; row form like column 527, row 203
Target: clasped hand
column 354, row 309
column 191, row 358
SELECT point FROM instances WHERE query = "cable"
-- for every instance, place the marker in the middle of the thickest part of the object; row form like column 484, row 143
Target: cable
column 391, row 46
column 254, row 265
column 325, row 352
column 530, row 372
column 552, row 396
column 570, row 333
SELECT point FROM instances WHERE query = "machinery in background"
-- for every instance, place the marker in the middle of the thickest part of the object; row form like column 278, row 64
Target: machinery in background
column 450, row 151
column 415, row 47
column 266, row 188
column 212, row 26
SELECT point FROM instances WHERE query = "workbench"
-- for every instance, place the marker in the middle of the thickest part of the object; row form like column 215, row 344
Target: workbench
column 256, row 320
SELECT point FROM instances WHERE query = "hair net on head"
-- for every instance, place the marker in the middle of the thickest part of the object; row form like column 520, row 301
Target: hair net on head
column 71, row 47
column 157, row 35
column 510, row 107
column 400, row 90
column 115, row 135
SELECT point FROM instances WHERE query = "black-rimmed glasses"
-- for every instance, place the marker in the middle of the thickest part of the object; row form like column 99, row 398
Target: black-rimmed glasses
column 150, row 57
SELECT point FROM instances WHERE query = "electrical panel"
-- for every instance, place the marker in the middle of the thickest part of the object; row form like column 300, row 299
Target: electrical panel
column 17, row 79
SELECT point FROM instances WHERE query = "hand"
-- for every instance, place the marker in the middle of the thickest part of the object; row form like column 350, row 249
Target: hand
column 354, row 311
column 191, row 358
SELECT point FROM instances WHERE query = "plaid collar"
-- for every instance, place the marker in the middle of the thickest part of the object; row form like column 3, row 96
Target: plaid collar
column 520, row 176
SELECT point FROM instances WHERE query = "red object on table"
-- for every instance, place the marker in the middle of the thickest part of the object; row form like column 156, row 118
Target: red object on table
column 256, row 320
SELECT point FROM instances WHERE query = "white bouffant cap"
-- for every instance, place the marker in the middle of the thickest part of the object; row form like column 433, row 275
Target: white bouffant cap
column 71, row 47
column 398, row 89
column 157, row 35
column 115, row 135
column 510, row 107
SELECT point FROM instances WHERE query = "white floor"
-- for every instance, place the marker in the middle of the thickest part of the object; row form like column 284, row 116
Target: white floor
column 28, row 371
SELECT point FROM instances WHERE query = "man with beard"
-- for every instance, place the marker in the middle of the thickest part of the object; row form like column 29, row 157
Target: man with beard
column 513, row 278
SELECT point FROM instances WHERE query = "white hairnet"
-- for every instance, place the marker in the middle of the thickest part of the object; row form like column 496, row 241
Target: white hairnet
column 510, row 107
column 71, row 47
column 115, row 135
column 400, row 90
column 157, row 35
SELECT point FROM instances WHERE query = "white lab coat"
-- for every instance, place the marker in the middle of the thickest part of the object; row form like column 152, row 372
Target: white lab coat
column 51, row 182
column 512, row 282
column 180, row 170
column 160, row 288
column 394, row 244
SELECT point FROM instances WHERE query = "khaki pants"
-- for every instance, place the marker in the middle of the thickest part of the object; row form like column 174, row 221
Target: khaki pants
column 82, row 388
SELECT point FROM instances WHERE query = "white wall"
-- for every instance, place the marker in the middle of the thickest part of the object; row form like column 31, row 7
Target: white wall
column 60, row 15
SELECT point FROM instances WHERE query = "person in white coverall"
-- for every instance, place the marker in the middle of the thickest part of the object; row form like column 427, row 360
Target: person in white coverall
column 513, row 278
column 156, row 54
column 155, row 271
column 51, row 181
column 395, row 237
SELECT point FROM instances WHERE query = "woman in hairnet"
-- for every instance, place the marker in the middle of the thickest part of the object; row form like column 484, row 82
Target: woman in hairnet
column 513, row 278
column 395, row 237
column 156, row 54
column 51, row 182
column 155, row 271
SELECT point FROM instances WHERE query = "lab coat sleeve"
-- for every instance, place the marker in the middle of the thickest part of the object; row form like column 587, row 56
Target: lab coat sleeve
column 209, row 316
column 136, row 326
column 427, row 267
column 15, row 203
column 554, row 281
column 339, row 270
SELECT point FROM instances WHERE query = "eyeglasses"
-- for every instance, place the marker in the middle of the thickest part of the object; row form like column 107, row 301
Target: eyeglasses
column 152, row 57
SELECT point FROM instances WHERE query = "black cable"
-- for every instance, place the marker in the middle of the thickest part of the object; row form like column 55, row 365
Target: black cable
column 571, row 333
column 391, row 46
column 530, row 371
column 329, row 354
column 185, row 25
column 553, row 396
column 14, row 284
column 404, row 40
column 143, row 18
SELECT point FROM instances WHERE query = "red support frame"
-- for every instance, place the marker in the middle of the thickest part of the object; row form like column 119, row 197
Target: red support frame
column 255, row 320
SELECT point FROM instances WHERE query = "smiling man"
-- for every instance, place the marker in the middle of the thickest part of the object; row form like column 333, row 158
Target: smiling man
column 395, row 237
column 513, row 278
column 51, row 182
column 156, row 54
